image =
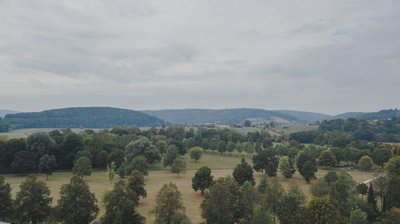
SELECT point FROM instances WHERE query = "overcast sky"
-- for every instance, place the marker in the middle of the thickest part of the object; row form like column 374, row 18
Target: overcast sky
column 322, row 56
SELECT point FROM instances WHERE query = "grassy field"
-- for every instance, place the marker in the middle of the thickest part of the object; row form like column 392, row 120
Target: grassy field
column 222, row 166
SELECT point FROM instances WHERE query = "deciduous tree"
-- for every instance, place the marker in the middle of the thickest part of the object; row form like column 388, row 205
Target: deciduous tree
column 202, row 179
column 178, row 166
column 243, row 172
column 195, row 153
column 169, row 207
column 33, row 201
column 77, row 205
column 82, row 167
column 47, row 164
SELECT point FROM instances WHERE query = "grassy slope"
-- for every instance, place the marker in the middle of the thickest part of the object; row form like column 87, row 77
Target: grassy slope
column 221, row 165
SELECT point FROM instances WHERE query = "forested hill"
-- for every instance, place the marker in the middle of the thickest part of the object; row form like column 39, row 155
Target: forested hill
column 5, row 112
column 81, row 117
column 239, row 115
column 380, row 115
column 226, row 116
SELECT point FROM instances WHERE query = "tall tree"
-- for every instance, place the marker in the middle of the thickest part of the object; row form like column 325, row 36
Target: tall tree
column 371, row 197
column 243, row 172
column 323, row 211
column 140, row 163
column 170, row 155
column 40, row 144
column 169, row 207
column 327, row 158
column 82, row 167
column 33, row 201
column 121, row 206
column 266, row 161
column 202, row 179
column 71, row 144
column 308, row 170
column 220, row 203
column 178, row 166
column 77, row 205
column 5, row 200
column 362, row 189
column 261, row 216
column 136, row 184
column 365, row 163
column 23, row 162
column 381, row 156
column 358, row 216
column 307, row 165
column 286, row 167
column 143, row 147
column 47, row 165
column 290, row 206
column 195, row 153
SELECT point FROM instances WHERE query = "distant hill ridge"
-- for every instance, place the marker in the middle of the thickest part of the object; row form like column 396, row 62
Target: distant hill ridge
column 238, row 115
column 105, row 117
column 81, row 117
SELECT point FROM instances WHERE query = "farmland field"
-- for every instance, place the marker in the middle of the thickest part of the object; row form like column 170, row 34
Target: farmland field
column 221, row 166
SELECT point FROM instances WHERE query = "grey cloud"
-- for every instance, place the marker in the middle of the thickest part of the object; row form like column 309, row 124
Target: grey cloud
column 325, row 56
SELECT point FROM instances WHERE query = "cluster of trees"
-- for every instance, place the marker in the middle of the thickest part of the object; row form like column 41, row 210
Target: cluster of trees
column 335, row 198
column 128, row 147
column 342, row 132
column 33, row 202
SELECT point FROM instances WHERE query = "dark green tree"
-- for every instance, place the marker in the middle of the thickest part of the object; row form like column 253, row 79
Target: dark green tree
column 371, row 197
column 40, row 144
column 243, row 172
column 327, row 158
column 136, row 184
column 140, row 163
column 222, row 147
column 202, row 179
column 121, row 206
column 82, row 167
column 195, row 153
column 143, row 147
column 362, row 189
column 101, row 159
column 169, row 207
column 33, row 201
column 263, row 185
column 323, row 211
column 220, row 203
column 308, row 170
column 178, row 166
column 286, row 167
column 77, row 205
column 23, row 162
column 170, row 155
column 71, row 144
column 266, row 161
column 365, row 163
column 47, row 165
column 116, row 156
column 261, row 216
column 291, row 206
column 381, row 156
column 6, row 205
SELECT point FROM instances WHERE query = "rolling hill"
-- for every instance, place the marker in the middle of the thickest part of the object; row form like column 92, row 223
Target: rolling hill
column 81, row 117
column 226, row 116
column 5, row 112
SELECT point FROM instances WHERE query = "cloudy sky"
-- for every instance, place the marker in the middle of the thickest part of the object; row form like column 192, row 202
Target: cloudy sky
column 323, row 56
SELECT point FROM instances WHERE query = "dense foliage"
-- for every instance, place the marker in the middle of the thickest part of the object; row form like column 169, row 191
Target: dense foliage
column 79, row 117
